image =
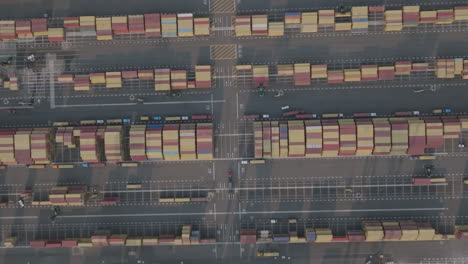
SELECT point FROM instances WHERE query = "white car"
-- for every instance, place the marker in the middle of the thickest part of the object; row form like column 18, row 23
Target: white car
column 286, row 107
column 100, row 121
column 245, row 162
column 265, row 116
column 415, row 113
column 185, row 118
column 21, row 203
column 273, row 221
column 373, row 114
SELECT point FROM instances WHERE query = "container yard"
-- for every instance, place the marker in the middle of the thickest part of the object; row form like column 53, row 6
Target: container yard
column 233, row 132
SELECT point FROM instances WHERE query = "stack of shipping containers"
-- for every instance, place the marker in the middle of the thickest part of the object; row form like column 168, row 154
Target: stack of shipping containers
column 323, row 235
column 152, row 25
column 347, row 137
column 352, row 75
column 162, row 80
column 318, row 71
column 154, row 142
column 417, row 137
column 309, row 22
column 386, row 73
column 373, row 230
column 39, row 27
column 248, row 236
column 445, row 16
column 393, row 20
column 369, row 73
column 7, row 30
column 258, row 137
column 137, row 142
column 203, row 76
column 136, row 24
column 42, row 145
column 452, row 127
column 360, row 18
column 260, row 75
column 185, row 25
column 461, row 13
column 113, row 80
column 204, row 140
column 178, row 79
column 275, row 29
column 409, row 230
column 23, row 29
column 242, row 26
column 336, row 76
column 392, row 231
column 259, row 25
column 313, row 130
column 292, row 18
column 56, row 34
column 365, row 137
column 170, row 137
column 410, row 16
column 145, row 75
column 403, row 68
column 187, row 142
column 81, row 82
column 89, row 147
column 169, row 25
column 71, row 22
column 22, row 146
column 275, row 139
column 202, row 26
column 428, row 17
column 434, row 132
column 284, row 140
column 382, row 136
column 326, row 17
column 113, row 144
column 399, row 127
column 331, row 138
column 7, row 153
column 266, row 137
column 120, row 25
column 97, row 78
column 301, row 74
column 296, row 139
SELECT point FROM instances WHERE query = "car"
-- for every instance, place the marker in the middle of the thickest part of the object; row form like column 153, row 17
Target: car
column 286, row 107
column 416, row 113
column 126, row 121
column 273, row 221
column 100, row 121
column 265, row 116
column 157, row 118
column 245, row 162
column 230, row 173
column 447, row 110
column 292, row 220
column 185, row 118
column 373, row 114
column 461, row 145
column 144, row 118
column 85, row 165
column 21, row 203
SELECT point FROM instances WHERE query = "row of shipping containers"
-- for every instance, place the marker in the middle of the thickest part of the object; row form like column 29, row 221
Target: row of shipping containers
column 356, row 20
column 372, row 231
column 105, row 28
column 303, row 73
column 186, row 141
column 164, row 79
column 103, row 238
column 349, row 137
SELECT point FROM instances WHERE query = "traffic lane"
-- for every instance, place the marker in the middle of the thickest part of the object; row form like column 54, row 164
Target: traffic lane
column 146, row 174
column 93, row 109
column 37, row 8
column 329, row 168
column 349, row 99
column 126, row 57
column 293, row 5
column 355, row 47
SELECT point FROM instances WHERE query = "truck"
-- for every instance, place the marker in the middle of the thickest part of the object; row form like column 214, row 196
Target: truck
column 333, row 115
column 292, row 113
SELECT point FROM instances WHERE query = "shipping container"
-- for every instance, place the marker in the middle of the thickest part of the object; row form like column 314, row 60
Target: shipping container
column 410, row 16
column 56, row 34
column 178, row 79
column 23, row 29
column 314, row 139
column 38, row 27
column 347, row 137
column 292, row 18
column 136, row 24
column 275, row 29
column 326, row 17
column 204, row 140
column 393, row 20
column 400, row 136
column 203, row 76
column 119, row 25
column 331, row 137
column 360, row 18
column 382, row 136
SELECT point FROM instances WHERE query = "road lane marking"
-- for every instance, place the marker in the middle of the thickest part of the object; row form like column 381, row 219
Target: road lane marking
column 146, row 103
column 260, row 212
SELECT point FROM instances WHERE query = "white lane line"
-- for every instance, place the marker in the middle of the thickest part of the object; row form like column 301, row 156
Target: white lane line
column 18, row 217
column 237, row 105
column 50, row 64
column 148, row 103
column 261, row 212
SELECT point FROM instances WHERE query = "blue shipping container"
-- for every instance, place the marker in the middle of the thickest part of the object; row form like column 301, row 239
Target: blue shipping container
column 282, row 239
column 311, row 236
